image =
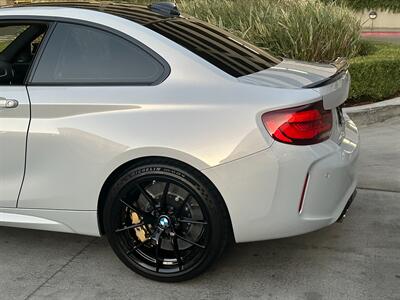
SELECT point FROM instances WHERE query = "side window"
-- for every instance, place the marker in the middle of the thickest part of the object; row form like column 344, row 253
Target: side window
column 77, row 54
column 18, row 46
column 9, row 33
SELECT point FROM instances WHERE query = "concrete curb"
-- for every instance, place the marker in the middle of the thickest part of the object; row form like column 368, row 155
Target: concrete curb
column 373, row 113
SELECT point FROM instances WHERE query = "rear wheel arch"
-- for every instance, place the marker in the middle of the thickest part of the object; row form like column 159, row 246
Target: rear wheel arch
column 151, row 159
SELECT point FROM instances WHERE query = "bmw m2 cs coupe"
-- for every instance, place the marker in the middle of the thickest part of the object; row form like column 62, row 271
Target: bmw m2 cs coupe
column 166, row 134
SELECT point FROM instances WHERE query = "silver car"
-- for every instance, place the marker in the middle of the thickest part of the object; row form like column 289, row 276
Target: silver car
column 166, row 134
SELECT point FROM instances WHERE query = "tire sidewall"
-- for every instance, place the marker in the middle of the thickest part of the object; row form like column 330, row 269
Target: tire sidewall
column 198, row 186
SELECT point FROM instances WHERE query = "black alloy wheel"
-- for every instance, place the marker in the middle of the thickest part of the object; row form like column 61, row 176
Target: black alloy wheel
column 165, row 221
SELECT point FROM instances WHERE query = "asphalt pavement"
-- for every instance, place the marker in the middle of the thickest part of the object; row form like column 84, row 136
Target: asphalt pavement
column 358, row 259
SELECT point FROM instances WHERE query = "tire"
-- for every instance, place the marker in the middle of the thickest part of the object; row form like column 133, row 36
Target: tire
column 165, row 221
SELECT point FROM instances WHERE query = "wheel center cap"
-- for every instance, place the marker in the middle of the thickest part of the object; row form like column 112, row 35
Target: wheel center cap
column 164, row 222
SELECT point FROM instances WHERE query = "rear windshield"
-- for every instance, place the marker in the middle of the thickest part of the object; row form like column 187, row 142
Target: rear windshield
column 225, row 51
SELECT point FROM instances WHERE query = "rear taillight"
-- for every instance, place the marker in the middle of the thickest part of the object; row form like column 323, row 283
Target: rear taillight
column 302, row 125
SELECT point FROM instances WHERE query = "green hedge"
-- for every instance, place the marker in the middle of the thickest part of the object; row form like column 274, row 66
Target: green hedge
column 299, row 29
column 391, row 5
column 287, row 28
column 376, row 76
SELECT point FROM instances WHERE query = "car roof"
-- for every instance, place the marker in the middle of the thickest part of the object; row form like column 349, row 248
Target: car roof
column 231, row 55
column 137, row 13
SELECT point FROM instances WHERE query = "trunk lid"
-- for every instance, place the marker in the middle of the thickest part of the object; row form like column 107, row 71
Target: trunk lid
column 331, row 81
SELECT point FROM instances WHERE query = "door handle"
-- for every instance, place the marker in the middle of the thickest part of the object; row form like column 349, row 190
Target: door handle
column 8, row 103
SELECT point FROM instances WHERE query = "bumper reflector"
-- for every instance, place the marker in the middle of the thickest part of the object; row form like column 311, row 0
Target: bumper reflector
column 303, row 193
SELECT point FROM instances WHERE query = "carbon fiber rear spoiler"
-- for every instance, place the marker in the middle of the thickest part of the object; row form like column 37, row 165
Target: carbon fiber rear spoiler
column 341, row 64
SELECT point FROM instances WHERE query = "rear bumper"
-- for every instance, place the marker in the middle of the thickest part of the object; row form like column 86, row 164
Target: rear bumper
column 263, row 191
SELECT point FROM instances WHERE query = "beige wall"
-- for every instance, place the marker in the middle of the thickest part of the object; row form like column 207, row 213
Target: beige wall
column 385, row 20
column 6, row 2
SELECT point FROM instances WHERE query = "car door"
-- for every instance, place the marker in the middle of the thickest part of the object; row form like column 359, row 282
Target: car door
column 88, row 79
column 16, row 56
column 14, row 121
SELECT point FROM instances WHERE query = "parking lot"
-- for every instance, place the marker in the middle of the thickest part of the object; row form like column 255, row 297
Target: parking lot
column 358, row 259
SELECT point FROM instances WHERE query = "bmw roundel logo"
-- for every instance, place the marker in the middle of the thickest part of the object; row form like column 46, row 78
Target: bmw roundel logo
column 164, row 222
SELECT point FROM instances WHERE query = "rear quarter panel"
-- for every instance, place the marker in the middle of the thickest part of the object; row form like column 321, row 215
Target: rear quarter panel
column 79, row 135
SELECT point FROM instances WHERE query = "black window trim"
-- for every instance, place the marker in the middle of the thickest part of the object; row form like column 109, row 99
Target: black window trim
column 53, row 21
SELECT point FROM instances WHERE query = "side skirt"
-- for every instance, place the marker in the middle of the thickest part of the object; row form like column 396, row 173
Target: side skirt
column 79, row 222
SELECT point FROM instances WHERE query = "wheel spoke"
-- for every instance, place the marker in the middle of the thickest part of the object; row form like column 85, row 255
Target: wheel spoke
column 190, row 221
column 130, row 227
column 146, row 217
column 158, row 247
column 156, row 237
column 135, row 209
column 163, row 200
column 180, row 211
column 129, row 252
column 174, row 243
column 190, row 242
column 148, row 197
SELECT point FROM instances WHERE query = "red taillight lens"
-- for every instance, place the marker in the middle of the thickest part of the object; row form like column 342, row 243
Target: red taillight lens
column 303, row 125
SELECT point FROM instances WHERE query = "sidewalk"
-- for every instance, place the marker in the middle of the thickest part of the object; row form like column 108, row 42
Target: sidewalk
column 383, row 35
column 374, row 113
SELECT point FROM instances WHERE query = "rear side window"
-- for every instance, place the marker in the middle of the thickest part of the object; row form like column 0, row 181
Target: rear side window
column 227, row 52
column 77, row 54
